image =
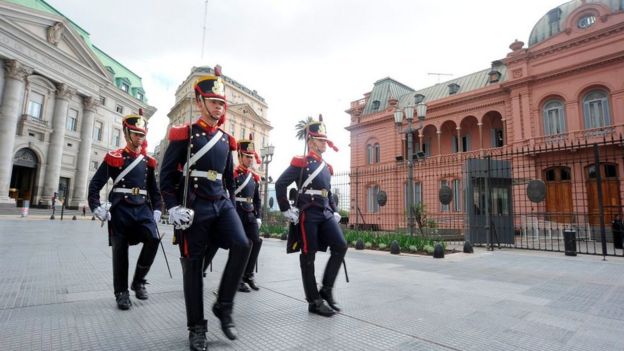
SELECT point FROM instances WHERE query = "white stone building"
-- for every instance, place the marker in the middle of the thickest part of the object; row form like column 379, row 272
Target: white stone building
column 61, row 104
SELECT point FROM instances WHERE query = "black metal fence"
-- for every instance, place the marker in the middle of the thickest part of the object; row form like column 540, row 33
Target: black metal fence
column 528, row 197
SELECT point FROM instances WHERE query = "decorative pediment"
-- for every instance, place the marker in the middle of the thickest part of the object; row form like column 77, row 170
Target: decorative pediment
column 247, row 111
column 45, row 39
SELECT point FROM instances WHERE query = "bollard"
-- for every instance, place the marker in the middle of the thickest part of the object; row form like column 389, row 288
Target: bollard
column 359, row 244
column 438, row 251
column 468, row 247
column 569, row 242
column 395, row 249
column 25, row 207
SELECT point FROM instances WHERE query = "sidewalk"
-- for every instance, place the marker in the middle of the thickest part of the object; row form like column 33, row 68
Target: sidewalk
column 56, row 294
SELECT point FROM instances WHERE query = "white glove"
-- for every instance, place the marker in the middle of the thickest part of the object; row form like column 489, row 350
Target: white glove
column 157, row 215
column 337, row 216
column 259, row 222
column 181, row 217
column 292, row 215
column 102, row 212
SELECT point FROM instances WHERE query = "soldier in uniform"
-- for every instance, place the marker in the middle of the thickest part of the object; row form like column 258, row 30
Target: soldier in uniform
column 315, row 216
column 247, row 196
column 209, row 218
column 134, row 208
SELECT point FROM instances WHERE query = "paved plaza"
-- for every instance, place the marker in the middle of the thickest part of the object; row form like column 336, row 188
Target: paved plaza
column 56, row 294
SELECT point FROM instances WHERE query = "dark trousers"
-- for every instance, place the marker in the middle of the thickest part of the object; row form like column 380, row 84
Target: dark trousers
column 216, row 224
column 250, row 225
column 317, row 234
column 131, row 225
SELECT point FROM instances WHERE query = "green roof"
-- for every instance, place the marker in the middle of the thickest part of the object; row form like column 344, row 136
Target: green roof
column 118, row 70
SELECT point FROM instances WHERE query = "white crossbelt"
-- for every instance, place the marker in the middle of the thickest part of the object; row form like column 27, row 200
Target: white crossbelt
column 210, row 175
column 128, row 169
column 202, row 151
column 244, row 199
column 313, row 175
column 242, row 186
column 133, row 191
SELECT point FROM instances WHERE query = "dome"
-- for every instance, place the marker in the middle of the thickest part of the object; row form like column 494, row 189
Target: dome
column 554, row 21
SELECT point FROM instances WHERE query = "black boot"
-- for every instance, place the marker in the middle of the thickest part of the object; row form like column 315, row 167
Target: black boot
column 223, row 311
column 139, row 289
column 248, row 276
column 250, row 281
column 197, row 337
column 242, row 287
column 123, row 300
column 306, row 262
column 193, row 291
column 326, row 294
column 319, row 307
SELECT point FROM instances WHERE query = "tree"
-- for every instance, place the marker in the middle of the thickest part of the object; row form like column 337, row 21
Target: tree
column 300, row 127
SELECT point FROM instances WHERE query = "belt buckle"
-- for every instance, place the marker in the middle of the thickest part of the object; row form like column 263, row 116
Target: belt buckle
column 135, row 191
column 324, row 192
column 211, row 175
column 249, row 200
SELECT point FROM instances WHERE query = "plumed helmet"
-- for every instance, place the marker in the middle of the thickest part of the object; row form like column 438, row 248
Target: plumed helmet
column 211, row 86
column 135, row 123
column 247, row 147
column 315, row 129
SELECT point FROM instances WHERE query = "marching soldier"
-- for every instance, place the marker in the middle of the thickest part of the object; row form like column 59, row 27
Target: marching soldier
column 134, row 208
column 206, row 218
column 315, row 218
column 247, row 196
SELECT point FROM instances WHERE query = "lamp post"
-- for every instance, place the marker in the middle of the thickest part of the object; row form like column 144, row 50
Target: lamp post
column 421, row 111
column 266, row 154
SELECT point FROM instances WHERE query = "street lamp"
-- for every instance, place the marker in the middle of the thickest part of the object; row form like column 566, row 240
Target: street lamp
column 421, row 111
column 266, row 153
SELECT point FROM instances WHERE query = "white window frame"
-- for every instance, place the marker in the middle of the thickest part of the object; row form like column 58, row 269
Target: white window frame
column 71, row 123
column 35, row 104
column 596, row 111
column 371, row 199
column 554, row 117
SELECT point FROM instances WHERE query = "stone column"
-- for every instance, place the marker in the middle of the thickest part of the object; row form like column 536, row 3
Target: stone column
column 439, row 133
column 10, row 110
column 57, row 141
column 480, row 124
column 460, row 147
column 84, row 152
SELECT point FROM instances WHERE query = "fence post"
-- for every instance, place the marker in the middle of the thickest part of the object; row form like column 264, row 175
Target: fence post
column 488, row 233
column 603, row 235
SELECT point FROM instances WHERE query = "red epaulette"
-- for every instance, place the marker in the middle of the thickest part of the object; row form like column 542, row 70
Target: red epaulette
column 151, row 162
column 114, row 158
column 232, row 140
column 330, row 168
column 298, row 161
column 178, row 133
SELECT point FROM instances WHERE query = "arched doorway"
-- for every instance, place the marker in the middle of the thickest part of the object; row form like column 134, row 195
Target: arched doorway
column 559, row 194
column 25, row 164
column 610, row 192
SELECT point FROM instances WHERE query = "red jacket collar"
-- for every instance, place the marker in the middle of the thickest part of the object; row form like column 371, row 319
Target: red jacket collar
column 315, row 156
column 205, row 126
column 242, row 169
column 131, row 153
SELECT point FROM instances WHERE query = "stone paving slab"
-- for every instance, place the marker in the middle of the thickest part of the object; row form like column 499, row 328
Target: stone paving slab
column 56, row 294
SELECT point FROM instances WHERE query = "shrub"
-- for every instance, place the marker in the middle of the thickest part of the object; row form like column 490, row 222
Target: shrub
column 368, row 245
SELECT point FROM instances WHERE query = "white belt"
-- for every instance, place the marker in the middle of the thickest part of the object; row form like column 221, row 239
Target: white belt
column 133, row 191
column 210, row 175
column 244, row 199
column 322, row 192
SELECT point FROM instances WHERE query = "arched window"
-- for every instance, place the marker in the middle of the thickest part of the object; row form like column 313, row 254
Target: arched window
column 596, row 112
column 554, row 118
column 373, row 153
column 371, row 199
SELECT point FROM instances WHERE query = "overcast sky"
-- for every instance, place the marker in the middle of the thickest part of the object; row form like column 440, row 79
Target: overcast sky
column 304, row 57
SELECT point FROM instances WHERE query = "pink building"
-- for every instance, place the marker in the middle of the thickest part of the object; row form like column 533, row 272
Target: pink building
column 540, row 109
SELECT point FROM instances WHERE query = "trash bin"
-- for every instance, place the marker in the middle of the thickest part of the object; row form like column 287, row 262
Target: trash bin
column 25, row 206
column 569, row 242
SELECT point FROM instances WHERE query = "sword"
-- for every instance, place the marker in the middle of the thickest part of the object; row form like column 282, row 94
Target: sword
column 163, row 249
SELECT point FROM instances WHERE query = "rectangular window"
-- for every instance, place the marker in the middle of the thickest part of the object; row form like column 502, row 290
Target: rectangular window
column 119, row 109
column 72, row 120
column 444, row 208
column 371, row 199
column 139, row 96
column 243, row 131
column 35, row 105
column 232, row 129
column 97, row 130
column 456, row 195
column 102, row 101
column 94, row 164
column 497, row 137
column 125, row 87
column 416, row 191
column 116, row 137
